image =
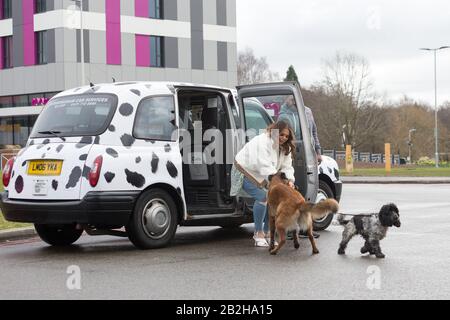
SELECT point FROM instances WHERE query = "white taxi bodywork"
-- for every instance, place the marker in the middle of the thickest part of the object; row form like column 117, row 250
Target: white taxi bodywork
column 128, row 163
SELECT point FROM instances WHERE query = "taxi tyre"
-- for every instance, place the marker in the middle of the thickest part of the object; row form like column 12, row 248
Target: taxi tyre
column 324, row 223
column 58, row 235
column 154, row 220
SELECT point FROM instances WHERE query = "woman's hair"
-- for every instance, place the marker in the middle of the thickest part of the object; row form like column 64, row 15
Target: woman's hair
column 289, row 146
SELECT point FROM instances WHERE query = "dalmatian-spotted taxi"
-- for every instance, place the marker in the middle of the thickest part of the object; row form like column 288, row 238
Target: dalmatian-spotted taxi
column 111, row 159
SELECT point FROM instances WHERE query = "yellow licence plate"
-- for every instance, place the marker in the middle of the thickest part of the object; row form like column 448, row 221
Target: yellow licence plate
column 45, row 168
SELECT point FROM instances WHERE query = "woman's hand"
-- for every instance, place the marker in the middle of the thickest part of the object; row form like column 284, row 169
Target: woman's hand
column 291, row 184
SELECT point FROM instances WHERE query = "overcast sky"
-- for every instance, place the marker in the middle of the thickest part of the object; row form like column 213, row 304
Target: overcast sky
column 388, row 33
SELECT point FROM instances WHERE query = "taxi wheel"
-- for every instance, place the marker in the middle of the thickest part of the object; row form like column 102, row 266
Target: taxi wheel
column 325, row 192
column 154, row 220
column 58, row 235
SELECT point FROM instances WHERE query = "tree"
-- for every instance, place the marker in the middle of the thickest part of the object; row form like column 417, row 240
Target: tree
column 320, row 103
column 254, row 70
column 404, row 116
column 444, row 115
column 444, row 125
column 291, row 75
column 355, row 112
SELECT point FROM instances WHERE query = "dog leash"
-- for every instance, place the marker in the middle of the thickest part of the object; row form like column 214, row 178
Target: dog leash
column 358, row 215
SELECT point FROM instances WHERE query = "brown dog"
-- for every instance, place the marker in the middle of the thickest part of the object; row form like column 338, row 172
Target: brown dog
column 288, row 210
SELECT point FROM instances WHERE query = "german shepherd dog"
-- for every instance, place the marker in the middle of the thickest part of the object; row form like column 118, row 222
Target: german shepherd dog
column 288, row 210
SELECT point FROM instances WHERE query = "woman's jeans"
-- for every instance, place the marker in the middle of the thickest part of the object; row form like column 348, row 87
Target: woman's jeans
column 260, row 213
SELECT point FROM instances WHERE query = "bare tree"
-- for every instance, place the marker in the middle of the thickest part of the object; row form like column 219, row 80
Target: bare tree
column 405, row 115
column 252, row 69
column 444, row 118
column 347, row 80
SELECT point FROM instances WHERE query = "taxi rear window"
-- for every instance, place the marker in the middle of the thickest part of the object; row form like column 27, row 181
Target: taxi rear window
column 80, row 115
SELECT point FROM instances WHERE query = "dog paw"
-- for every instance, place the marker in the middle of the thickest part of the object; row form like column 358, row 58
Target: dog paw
column 316, row 252
column 341, row 251
column 364, row 250
column 380, row 256
column 296, row 245
column 273, row 252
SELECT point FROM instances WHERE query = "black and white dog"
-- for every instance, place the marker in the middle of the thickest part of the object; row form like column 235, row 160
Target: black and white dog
column 372, row 228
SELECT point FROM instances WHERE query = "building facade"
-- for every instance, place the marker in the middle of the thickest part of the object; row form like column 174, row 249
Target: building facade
column 153, row 40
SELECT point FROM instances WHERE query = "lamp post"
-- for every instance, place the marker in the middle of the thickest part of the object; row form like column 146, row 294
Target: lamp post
column 410, row 144
column 83, row 77
column 435, row 101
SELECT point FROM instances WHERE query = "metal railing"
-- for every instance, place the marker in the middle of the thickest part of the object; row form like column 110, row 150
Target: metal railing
column 367, row 157
column 4, row 157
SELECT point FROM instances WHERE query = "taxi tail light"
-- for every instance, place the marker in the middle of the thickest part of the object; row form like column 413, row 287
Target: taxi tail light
column 94, row 174
column 7, row 171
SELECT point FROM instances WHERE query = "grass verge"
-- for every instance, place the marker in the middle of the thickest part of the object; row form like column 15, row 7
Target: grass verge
column 400, row 172
column 6, row 224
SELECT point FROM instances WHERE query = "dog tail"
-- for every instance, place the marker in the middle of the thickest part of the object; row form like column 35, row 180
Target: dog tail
column 321, row 209
column 340, row 218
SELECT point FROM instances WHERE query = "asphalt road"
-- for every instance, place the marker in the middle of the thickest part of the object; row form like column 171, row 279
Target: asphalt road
column 213, row 263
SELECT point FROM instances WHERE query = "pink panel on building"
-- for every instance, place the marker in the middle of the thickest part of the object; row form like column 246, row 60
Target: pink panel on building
column 1, row 39
column 141, row 8
column 142, row 51
column 29, row 39
column 113, row 34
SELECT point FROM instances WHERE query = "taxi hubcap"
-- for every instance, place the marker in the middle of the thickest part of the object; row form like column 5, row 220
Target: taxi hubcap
column 156, row 218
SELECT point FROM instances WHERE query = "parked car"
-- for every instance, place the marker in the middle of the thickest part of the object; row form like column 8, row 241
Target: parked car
column 117, row 155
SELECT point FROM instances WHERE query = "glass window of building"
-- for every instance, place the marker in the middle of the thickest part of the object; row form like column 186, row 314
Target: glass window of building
column 50, row 94
column 156, row 51
column 21, row 101
column 6, row 132
column 156, row 9
column 7, row 52
column 15, row 130
column 40, row 6
column 6, row 12
column 6, row 102
column 41, row 48
column 21, row 130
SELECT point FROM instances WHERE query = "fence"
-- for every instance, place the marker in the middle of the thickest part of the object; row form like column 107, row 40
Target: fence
column 363, row 157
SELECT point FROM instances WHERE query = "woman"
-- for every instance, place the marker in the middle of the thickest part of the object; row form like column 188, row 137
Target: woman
column 266, row 154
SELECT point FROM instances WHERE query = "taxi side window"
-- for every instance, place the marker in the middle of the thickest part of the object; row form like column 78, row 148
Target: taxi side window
column 155, row 119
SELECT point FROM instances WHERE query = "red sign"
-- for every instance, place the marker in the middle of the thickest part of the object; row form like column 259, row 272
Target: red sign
column 39, row 101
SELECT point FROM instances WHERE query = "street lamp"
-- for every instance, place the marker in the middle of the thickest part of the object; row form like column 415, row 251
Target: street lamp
column 410, row 144
column 435, row 101
column 80, row 2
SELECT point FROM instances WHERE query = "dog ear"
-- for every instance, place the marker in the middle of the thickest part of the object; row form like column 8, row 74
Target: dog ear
column 393, row 207
column 385, row 215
